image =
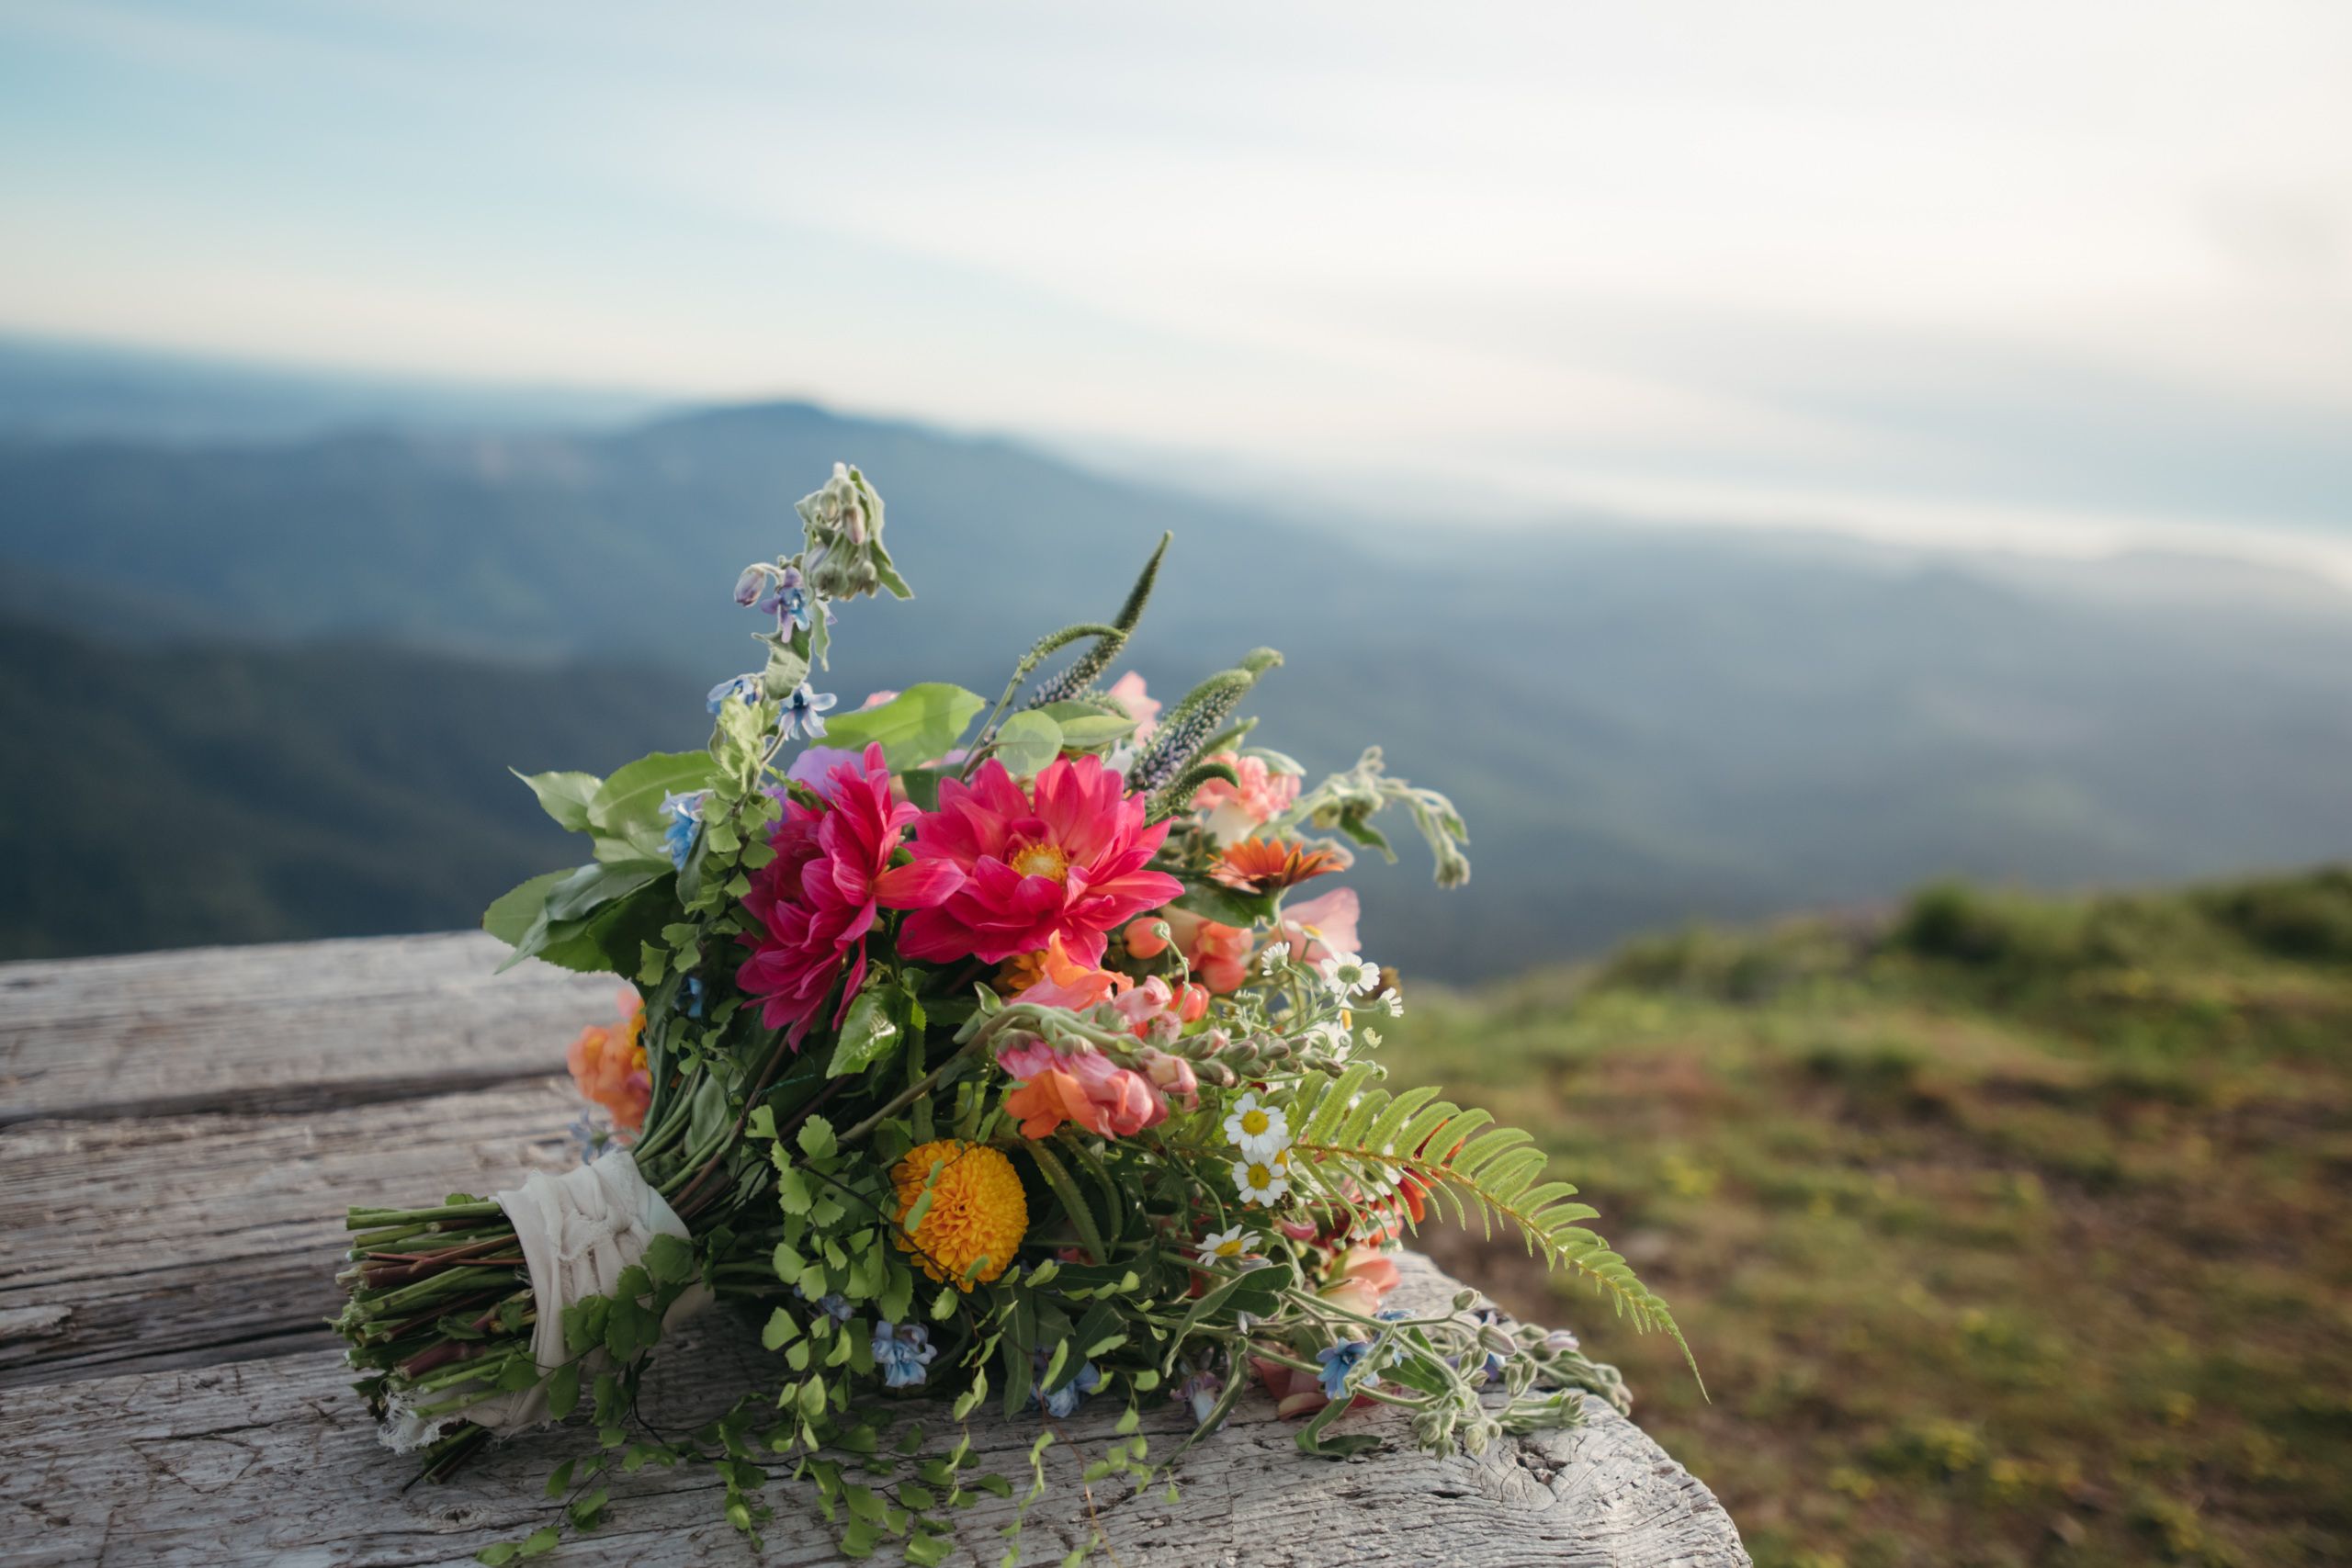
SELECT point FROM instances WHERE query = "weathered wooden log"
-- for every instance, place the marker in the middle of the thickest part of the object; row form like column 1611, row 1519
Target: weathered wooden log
column 182, row 1133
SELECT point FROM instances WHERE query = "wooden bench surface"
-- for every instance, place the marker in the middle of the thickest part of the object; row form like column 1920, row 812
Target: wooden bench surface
column 179, row 1133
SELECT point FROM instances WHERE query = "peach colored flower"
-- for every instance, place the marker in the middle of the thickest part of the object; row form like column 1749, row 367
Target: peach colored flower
column 1296, row 1393
column 1320, row 927
column 1081, row 1086
column 1053, row 978
column 1358, row 1278
column 607, row 1064
column 1234, row 811
column 1220, row 954
column 1128, row 692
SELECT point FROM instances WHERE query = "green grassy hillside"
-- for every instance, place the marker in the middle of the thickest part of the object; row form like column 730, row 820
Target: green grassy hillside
column 2007, row 1231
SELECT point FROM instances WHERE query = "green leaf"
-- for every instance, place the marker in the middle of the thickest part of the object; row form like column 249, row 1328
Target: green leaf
column 867, row 1033
column 817, row 1137
column 781, row 1330
column 564, row 1398
column 670, row 1260
column 560, row 1479
column 540, row 1541
column 511, row 917
column 564, row 797
column 1095, row 731
column 1227, row 906
column 591, row 886
column 504, row 1552
column 918, row 724
column 633, row 794
column 1027, row 743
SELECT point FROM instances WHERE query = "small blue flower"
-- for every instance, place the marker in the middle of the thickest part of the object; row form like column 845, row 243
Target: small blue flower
column 591, row 1138
column 755, row 579
column 744, row 686
column 1338, row 1361
column 1063, row 1403
column 800, row 710
column 1201, row 1391
column 691, row 999
column 684, row 812
column 831, row 1304
column 786, row 600
column 904, row 1352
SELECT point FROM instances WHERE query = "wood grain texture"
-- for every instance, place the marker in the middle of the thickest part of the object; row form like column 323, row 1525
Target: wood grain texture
column 288, row 1029
column 273, row 1461
column 135, row 1244
column 187, row 1128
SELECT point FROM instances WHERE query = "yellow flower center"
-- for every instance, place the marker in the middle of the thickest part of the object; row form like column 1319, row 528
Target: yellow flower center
column 1259, row 1176
column 1039, row 860
column 1254, row 1122
column 1229, row 1249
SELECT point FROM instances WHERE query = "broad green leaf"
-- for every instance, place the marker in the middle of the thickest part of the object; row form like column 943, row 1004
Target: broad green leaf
column 867, row 1033
column 510, row 918
column 1095, row 731
column 593, row 885
column 1227, row 906
column 1027, row 743
column 634, row 793
column 610, row 941
column 564, row 797
column 917, row 724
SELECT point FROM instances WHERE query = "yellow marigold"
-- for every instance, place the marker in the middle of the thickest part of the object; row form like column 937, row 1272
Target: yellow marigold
column 977, row 1210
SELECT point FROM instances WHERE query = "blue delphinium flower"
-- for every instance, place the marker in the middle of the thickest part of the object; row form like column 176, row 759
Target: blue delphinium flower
column 786, row 599
column 904, row 1352
column 684, row 812
column 800, row 710
column 1338, row 1361
column 1063, row 1403
column 744, row 686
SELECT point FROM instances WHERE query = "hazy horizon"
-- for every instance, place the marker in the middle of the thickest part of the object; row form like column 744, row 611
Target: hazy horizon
column 2014, row 277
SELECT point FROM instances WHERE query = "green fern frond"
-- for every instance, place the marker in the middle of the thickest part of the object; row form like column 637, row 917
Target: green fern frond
column 1348, row 1127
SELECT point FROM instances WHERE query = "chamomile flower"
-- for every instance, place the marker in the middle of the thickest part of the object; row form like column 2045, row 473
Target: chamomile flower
column 1262, row 1182
column 1347, row 974
column 1260, row 1131
column 1274, row 957
column 1226, row 1246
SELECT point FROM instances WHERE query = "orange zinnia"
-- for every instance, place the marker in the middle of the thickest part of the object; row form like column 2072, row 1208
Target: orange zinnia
column 1266, row 865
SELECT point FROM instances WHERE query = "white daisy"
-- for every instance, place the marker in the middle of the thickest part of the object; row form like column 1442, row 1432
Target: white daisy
column 1228, row 1245
column 1260, row 1181
column 1260, row 1131
column 1347, row 973
column 1274, row 957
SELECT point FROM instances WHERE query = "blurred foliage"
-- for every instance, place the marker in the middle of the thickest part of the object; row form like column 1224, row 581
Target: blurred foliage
column 2007, row 1231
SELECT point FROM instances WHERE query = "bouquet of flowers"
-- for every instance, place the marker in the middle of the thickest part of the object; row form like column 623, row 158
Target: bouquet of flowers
column 1000, row 1051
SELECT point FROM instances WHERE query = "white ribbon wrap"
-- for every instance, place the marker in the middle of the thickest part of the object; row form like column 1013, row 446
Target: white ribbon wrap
column 577, row 1231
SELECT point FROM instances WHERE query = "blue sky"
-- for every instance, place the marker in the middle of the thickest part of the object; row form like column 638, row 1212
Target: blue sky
column 2050, row 274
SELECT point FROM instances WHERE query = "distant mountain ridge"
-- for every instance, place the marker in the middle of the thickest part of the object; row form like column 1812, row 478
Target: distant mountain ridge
column 1640, row 727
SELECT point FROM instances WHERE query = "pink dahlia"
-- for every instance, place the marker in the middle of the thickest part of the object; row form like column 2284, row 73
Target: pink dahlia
column 1063, row 859
column 818, row 897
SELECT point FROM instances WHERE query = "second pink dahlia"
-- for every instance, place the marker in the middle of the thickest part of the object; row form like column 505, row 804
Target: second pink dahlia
column 1064, row 858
